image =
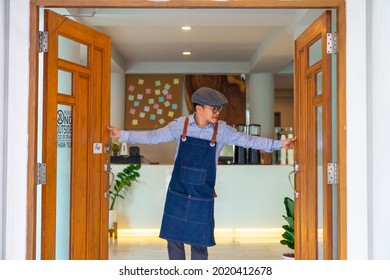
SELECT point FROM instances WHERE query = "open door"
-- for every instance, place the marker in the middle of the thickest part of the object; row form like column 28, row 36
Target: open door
column 76, row 110
column 313, row 127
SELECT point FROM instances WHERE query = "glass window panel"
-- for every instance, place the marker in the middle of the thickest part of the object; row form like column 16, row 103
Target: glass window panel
column 319, row 83
column 315, row 52
column 64, row 154
column 320, row 226
column 65, row 82
column 72, row 51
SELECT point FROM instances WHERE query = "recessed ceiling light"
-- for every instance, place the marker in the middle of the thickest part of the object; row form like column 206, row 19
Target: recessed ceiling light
column 186, row 27
column 186, row 53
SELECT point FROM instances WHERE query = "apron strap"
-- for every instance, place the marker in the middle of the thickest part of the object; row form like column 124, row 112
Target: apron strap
column 213, row 138
column 183, row 136
column 212, row 144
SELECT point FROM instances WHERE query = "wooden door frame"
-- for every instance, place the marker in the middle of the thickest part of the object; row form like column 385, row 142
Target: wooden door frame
column 338, row 5
column 306, row 102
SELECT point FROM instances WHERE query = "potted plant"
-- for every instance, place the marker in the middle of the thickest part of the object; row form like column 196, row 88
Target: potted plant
column 115, row 148
column 122, row 184
column 288, row 235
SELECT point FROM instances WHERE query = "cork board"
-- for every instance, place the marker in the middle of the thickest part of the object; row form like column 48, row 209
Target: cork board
column 152, row 101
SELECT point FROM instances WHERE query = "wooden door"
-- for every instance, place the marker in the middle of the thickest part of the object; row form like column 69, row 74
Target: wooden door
column 76, row 106
column 313, row 128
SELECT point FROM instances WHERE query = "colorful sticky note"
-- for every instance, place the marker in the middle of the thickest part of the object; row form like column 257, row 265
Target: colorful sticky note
column 148, row 91
column 176, row 81
column 130, row 97
column 171, row 114
column 134, row 122
column 136, row 103
column 151, row 101
column 131, row 88
column 140, row 96
column 146, row 108
column 141, row 81
column 161, row 121
column 161, row 99
column 169, row 96
column 132, row 111
column 157, row 92
column 167, row 103
column 167, row 86
column 174, row 106
column 157, row 83
column 156, row 106
column 152, row 117
column 159, row 112
column 142, row 115
column 165, row 91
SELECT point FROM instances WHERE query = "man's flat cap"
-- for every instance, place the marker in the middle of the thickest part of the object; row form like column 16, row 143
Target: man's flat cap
column 209, row 96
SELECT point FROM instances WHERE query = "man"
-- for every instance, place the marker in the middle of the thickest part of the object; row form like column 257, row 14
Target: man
column 189, row 207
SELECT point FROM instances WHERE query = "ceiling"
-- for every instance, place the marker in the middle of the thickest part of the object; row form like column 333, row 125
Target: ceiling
column 221, row 40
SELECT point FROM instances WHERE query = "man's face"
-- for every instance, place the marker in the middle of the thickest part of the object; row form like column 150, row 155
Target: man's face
column 208, row 113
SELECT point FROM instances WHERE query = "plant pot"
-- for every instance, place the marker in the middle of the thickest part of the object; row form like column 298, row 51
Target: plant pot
column 111, row 218
column 288, row 256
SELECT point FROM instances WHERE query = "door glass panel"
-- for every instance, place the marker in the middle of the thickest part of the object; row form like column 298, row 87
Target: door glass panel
column 319, row 83
column 64, row 156
column 72, row 51
column 64, row 82
column 315, row 52
column 319, row 182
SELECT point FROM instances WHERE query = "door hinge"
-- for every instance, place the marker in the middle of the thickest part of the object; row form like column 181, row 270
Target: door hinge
column 331, row 43
column 332, row 173
column 43, row 41
column 41, row 173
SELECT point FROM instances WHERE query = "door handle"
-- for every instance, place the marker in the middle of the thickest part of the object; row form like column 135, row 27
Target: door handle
column 107, row 148
column 294, row 171
column 107, row 169
column 107, row 166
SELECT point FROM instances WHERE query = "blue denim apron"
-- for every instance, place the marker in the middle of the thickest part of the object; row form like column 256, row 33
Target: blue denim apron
column 189, row 205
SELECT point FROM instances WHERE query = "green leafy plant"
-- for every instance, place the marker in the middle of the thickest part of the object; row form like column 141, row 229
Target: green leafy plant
column 115, row 148
column 288, row 235
column 123, row 182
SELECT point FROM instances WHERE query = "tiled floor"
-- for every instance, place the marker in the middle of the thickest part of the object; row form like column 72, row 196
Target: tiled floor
column 227, row 248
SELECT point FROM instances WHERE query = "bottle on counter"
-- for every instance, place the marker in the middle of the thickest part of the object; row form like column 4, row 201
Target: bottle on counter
column 290, row 153
column 283, row 152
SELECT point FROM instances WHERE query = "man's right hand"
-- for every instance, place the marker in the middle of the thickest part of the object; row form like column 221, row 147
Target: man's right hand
column 114, row 131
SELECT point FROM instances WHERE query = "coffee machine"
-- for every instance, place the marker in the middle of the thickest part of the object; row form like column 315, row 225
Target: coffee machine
column 253, row 154
column 239, row 152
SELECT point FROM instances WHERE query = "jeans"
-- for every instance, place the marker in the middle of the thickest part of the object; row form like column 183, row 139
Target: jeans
column 176, row 251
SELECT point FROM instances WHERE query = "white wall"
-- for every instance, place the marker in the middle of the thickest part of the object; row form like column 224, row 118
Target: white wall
column 260, row 95
column 284, row 103
column 15, row 128
column 2, row 107
column 367, row 115
column 357, row 131
column 379, row 114
column 117, row 105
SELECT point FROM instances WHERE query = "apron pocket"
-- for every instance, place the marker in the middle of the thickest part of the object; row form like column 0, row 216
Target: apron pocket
column 192, row 175
column 200, row 210
column 188, row 208
column 176, row 205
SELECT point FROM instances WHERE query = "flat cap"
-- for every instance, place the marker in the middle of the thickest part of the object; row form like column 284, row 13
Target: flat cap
column 209, row 96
